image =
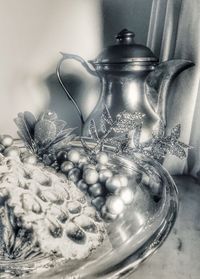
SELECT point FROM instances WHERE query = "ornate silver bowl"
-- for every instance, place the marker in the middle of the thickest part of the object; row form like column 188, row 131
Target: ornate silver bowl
column 132, row 238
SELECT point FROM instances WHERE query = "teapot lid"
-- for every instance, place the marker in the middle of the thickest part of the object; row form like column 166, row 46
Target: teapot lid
column 125, row 51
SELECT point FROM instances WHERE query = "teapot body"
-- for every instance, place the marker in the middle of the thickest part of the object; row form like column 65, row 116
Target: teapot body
column 123, row 89
column 132, row 80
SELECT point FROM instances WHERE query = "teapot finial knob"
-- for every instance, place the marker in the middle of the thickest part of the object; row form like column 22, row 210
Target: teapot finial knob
column 125, row 37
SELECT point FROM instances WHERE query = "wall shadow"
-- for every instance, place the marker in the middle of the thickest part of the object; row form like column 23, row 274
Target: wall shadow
column 84, row 89
column 60, row 103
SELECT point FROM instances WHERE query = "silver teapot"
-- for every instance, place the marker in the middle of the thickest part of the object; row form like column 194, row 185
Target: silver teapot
column 132, row 80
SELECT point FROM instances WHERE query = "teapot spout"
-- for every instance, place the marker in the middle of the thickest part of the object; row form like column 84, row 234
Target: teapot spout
column 159, row 81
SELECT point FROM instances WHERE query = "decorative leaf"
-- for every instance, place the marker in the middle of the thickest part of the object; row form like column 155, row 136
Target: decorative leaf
column 159, row 153
column 186, row 146
column 86, row 147
column 23, row 128
column 126, row 122
column 120, row 142
column 176, row 131
column 61, row 136
column 30, row 121
column 160, row 131
column 178, row 151
column 106, row 117
column 103, row 125
column 64, row 142
column 27, row 145
column 93, row 130
column 91, row 151
column 45, row 132
column 137, row 135
column 60, row 125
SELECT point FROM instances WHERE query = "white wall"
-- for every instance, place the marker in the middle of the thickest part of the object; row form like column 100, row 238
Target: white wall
column 31, row 35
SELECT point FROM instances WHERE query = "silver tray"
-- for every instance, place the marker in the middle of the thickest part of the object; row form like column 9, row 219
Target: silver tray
column 132, row 238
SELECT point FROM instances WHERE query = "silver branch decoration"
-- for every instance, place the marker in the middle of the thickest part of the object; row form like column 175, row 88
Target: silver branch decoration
column 117, row 133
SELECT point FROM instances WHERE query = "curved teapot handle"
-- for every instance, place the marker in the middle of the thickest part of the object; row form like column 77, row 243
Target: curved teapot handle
column 66, row 56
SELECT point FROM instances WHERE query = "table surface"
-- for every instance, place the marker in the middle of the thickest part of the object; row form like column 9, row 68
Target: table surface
column 179, row 257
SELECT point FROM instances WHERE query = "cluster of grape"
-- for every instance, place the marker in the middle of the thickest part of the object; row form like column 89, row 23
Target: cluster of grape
column 108, row 189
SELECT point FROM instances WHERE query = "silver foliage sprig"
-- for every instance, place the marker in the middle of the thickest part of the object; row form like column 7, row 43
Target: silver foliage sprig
column 112, row 131
column 126, row 128
column 160, row 145
column 45, row 135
